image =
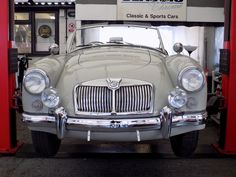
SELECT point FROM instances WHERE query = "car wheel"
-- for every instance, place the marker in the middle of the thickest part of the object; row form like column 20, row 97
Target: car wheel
column 185, row 144
column 45, row 144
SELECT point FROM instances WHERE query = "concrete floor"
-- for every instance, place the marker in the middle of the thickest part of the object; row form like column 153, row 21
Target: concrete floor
column 78, row 159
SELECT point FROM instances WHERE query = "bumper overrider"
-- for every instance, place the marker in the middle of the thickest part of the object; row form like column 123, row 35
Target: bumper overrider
column 165, row 125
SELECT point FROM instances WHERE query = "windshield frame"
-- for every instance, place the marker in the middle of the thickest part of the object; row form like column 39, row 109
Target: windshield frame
column 71, row 38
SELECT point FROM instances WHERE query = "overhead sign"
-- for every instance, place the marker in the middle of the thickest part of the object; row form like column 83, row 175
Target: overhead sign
column 152, row 10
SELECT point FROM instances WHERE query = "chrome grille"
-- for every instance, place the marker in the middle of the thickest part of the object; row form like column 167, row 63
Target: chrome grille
column 133, row 98
column 94, row 99
column 99, row 99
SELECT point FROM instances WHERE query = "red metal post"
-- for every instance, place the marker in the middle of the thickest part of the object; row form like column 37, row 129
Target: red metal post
column 5, row 144
column 230, row 140
column 7, row 85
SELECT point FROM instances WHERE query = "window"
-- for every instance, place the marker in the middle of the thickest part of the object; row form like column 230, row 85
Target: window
column 23, row 38
column 21, row 16
column 36, row 31
column 22, row 32
column 44, row 31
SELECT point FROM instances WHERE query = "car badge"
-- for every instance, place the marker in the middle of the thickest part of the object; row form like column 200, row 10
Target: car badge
column 114, row 84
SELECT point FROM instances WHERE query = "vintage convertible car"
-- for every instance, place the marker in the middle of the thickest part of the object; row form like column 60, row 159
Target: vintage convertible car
column 115, row 87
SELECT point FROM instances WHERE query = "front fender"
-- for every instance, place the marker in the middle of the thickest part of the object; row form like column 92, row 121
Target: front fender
column 176, row 63
column 52, row 66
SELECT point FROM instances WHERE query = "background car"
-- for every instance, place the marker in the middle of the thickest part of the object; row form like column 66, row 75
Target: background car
column 115, row 85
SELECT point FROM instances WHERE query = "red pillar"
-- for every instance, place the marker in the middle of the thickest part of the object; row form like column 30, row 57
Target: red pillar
column 4, row 82
column 7, row 85
column 227, row 143
column 230, row 139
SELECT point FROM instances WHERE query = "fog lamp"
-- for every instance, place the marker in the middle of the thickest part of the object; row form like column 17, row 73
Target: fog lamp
column 50, row 98
column 177, row 98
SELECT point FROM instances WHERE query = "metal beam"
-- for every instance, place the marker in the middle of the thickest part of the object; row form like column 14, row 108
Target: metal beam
column 5, row 144
column 227, row 141
column 230, row 140
column 8, row 143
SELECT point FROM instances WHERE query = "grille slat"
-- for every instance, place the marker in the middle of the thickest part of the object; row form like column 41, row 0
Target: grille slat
column 146, row 97
column 102, row 96
column 128, row 99
column 105, row 102
column 135, row 98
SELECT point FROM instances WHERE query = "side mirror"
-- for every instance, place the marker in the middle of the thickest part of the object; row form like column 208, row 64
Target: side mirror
column 178, row 47
column 54, row 49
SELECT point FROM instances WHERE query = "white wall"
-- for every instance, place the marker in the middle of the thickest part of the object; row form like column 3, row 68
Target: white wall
column 214, row 37
column 63, row 28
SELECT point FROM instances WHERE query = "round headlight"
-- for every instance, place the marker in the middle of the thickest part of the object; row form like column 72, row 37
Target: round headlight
column 50, row 98
column 177, row 98
column 35, row 81
column 191, row 79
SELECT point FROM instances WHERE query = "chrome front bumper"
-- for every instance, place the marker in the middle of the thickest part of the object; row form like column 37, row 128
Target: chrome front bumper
column 164, row 123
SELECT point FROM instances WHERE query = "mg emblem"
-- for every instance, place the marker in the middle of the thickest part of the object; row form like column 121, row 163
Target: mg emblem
column 113, row 84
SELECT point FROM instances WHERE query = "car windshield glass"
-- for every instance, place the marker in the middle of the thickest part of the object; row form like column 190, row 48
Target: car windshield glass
column 127, row 35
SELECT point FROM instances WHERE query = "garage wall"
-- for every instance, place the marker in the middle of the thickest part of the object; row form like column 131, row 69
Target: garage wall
column 197, row 10
column 96, row 1
column 205, row 10
column 195, row 3
column 205, row 3
column 65, row 26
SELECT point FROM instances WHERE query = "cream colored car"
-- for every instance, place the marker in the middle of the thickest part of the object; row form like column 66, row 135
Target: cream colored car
column 113, row 86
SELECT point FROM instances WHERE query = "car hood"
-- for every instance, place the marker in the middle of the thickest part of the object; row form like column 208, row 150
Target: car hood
column 114, row 62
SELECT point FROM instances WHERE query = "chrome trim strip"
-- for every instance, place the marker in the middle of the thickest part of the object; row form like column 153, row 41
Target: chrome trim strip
column 113, row 111
column 138, row 135
column 115, row 123
column 189, row 118
column 38, row 118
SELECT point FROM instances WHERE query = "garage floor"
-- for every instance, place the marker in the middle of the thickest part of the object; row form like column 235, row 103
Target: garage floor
column 77, row 159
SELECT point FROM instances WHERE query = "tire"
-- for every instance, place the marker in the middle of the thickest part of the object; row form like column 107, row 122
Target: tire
column 45, row 144
column 184, row 145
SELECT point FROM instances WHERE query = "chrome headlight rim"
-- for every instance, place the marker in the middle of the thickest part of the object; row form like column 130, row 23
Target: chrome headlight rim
column 180, row 76
column 40, row 71
column 47, row 93
column 177, row 92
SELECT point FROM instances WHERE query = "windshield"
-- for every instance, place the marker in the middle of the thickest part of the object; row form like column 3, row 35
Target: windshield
column 118, row 34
